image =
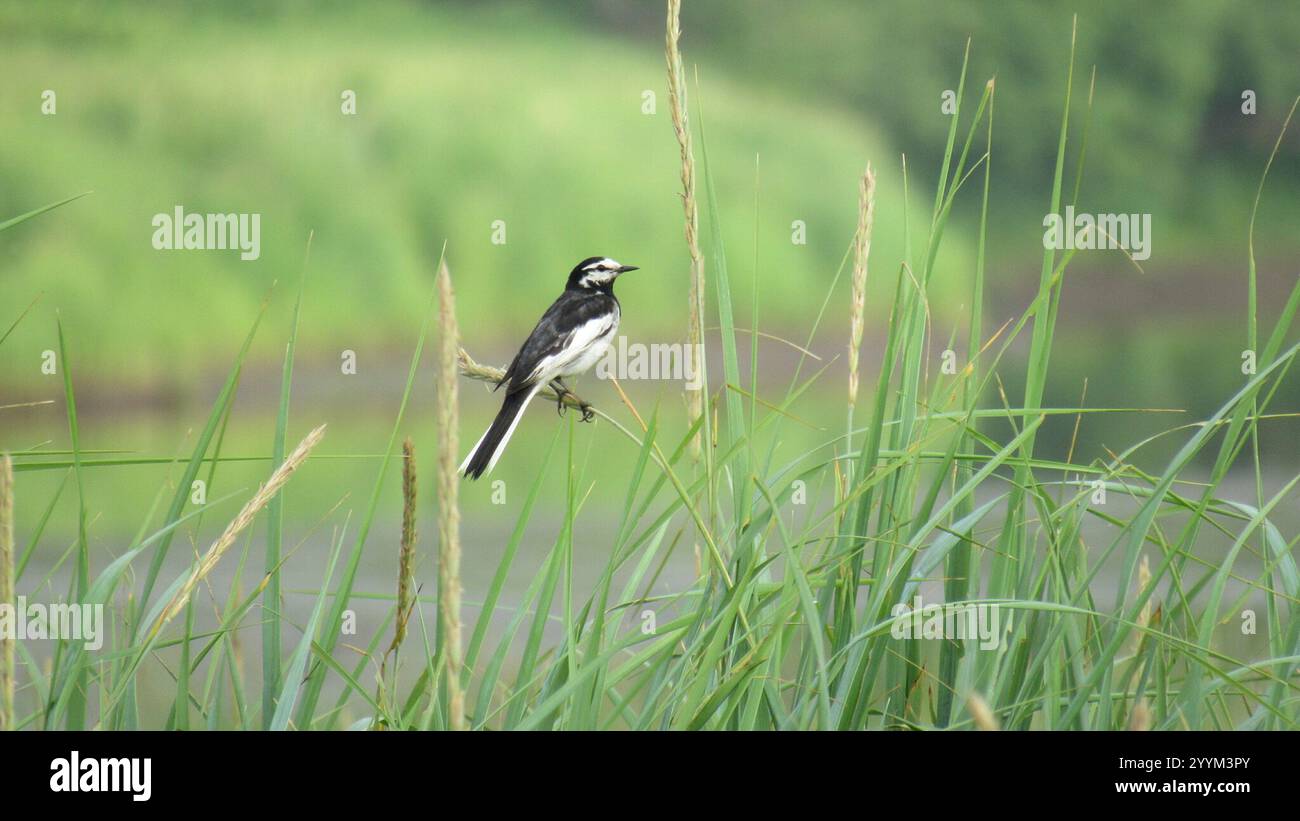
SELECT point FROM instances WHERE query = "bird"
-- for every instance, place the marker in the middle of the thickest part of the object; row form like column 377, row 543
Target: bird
column 573, row 334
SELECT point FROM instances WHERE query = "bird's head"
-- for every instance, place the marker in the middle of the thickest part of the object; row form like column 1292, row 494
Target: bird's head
column 597, row 272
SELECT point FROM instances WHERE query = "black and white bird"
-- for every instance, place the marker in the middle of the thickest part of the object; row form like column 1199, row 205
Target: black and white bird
column 571, row 336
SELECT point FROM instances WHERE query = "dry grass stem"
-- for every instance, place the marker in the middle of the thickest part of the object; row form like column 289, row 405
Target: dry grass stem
column 406, row 554
column 980, row 712
column 861, row 251
column 254, row 505
column 7, row 646
column 470, row 369
column 449, row 358
column 1140, row 718
column 682, row 128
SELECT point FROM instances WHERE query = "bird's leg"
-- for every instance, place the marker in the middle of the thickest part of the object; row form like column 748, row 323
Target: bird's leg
column 560, row 392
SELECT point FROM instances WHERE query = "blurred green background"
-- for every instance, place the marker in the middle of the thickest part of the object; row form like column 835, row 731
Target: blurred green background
column 553, row 117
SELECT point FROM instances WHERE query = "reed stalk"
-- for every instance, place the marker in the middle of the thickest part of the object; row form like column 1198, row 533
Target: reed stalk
column 981, row 713
column 472, row 369
column 406, row 553
column 448, row 512
column 858, row 291
column 237, row 525
column 861, row 250
column 7, row 646
column 682, row 128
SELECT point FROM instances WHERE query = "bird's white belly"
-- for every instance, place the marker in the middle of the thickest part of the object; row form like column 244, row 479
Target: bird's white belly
column 588, row 344
column 585, row 359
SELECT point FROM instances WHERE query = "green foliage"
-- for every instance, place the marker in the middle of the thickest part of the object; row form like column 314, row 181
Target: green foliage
column 1113, row 614
column 1170, row 79
column 448, row 138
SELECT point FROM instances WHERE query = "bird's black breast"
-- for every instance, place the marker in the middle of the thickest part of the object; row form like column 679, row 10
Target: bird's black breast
column 573, row 310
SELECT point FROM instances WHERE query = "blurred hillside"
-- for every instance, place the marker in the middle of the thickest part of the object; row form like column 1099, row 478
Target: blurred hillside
column 462, row 120
column 1167, row 136
column 538, row 115
column 1168, row 133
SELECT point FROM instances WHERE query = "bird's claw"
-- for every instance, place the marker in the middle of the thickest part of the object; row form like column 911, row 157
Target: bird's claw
column 562, row 393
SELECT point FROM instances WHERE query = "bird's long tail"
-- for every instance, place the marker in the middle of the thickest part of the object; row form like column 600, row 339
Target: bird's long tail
column 483, row 457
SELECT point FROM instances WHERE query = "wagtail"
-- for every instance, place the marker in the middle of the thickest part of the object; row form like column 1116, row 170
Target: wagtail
column 571, row 336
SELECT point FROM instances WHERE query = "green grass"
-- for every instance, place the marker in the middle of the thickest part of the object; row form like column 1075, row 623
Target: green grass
column 1115, row 614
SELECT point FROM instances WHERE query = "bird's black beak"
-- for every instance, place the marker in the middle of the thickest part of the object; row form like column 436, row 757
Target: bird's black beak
column 625, row 268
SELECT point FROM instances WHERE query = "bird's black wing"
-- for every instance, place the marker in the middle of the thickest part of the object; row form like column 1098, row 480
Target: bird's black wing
column 554, row 331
